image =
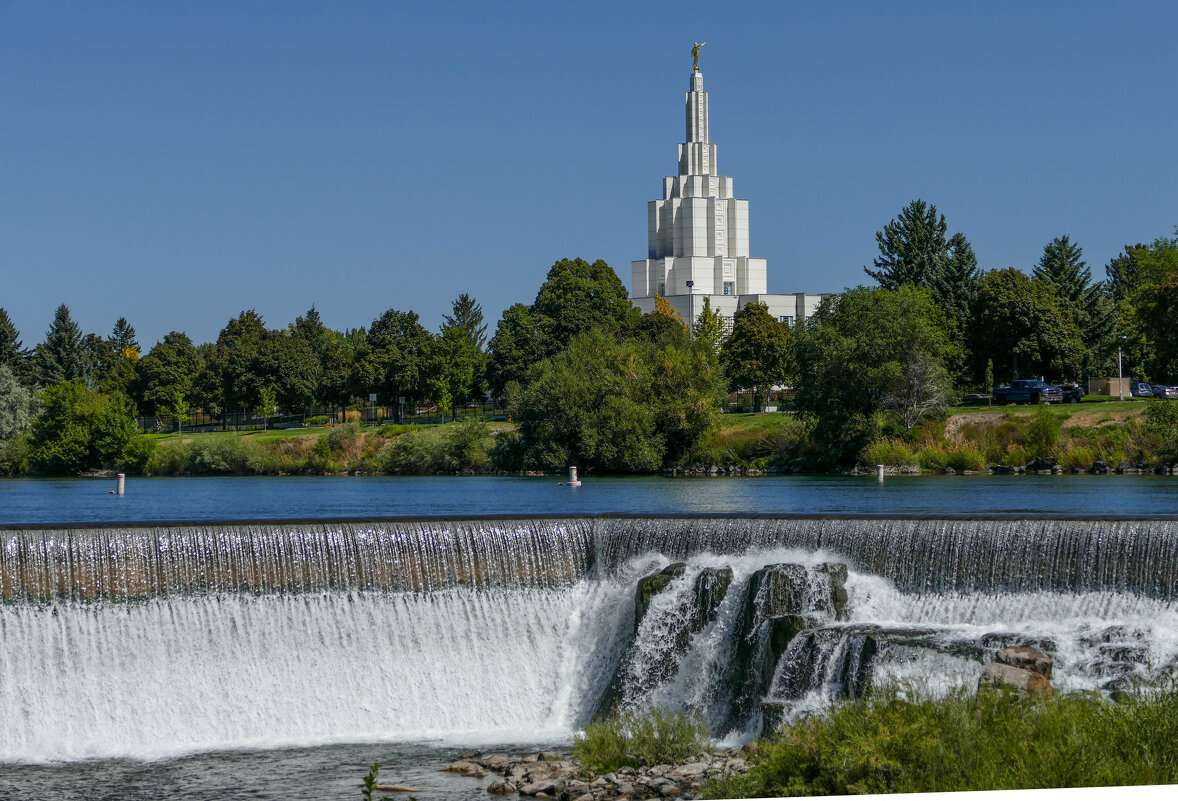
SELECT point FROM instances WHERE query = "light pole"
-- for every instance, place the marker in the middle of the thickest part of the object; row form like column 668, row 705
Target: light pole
column 1120, row 378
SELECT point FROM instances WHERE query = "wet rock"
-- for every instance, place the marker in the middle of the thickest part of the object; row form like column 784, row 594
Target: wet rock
column 998, row 469
column 1124, row 466
column 949, row 471
column 1100, row 467
column 496, row 762
column 501, row 787
column 1026, row 658
column 1039, row 464
column 772, row 717
column 1026, row 682
column 698, row 610
column 1119, row 690
column 542, row 786
column 465, row 768
column 858, row 663
column 651, row 586
column 832, row 595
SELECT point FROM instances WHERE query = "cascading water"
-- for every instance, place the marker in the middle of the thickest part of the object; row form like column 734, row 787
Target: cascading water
column 146, row 641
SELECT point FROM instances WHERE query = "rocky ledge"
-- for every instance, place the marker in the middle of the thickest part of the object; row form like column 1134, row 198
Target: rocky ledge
column 552, row 774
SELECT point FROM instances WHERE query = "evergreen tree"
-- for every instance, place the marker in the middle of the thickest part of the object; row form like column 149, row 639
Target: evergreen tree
column 467, row 314
column 1091, row 305
column 954, row 287
column 63, row 355
column 913, row 248
column 119, row 359
column 1123, row 274
column 459, row 361
column 12, row 353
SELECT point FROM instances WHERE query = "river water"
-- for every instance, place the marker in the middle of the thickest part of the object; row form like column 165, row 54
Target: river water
column 87, row 500
column 213, row 659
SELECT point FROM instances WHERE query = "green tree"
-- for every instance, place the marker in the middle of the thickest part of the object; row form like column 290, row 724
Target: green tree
column 522, row 339
column 62, row 356
column 285, row 363
column 578, row 297
column 1021, row 325
column 759, row 352
column 13, row 355
column 615, row 406
column 309, row 327
column 868, row 354
column 458, row 356
column 955, row 287
column 62, row 442
column 16, row 405
column 114, row 430
column 168, row 369
column 1146, row 298
column 267, row 405
column 664, row 322
column 117, row 367
column 238, row 347
column 913, row 248
column 395, row 359
column 1091, row 306
column 708, row 330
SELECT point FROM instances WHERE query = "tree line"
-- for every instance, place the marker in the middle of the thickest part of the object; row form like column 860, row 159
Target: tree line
column 590, row 380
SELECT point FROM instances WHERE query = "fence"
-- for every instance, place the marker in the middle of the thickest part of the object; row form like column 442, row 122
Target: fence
column 370, row 415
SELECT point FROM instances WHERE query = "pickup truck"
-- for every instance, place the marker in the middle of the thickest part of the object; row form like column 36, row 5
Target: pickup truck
column 1029, row 391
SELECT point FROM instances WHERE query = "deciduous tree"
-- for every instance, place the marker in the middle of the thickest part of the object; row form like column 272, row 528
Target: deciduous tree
column 759, row 352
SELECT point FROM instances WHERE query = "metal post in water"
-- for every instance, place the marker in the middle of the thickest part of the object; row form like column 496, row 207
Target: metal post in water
column 573, row 480
column 879, row 471
column 122, row 483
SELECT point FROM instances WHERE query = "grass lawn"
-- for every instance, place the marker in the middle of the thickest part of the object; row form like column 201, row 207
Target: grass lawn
column 1089, row 403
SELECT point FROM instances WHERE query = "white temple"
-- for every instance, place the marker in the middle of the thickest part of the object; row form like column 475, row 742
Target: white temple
column 698, row 237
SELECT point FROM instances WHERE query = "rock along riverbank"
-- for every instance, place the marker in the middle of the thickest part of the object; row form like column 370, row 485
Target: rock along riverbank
column 554, row 774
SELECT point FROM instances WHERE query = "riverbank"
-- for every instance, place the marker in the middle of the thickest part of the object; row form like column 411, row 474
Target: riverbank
column 1097, row 436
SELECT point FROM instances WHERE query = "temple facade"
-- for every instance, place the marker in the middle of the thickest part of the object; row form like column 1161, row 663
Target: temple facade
column 698, row 237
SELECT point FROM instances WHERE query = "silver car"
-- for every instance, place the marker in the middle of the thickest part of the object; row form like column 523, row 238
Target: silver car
column 1163, row 391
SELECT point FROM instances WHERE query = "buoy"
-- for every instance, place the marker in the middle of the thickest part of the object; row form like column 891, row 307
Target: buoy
column 879, row 471
column 573, row 480
column 122, row 483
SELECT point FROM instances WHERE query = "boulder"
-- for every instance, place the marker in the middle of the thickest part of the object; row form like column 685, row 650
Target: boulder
column 1100, row 467
column 651, row 586
column 1027, row 658
column 772, row 717
column 1124, row 466
column 497, row 762
column 999, row 469
column 465, row 768
column 1025, row 682
column 1040, row 464
column 500, row 787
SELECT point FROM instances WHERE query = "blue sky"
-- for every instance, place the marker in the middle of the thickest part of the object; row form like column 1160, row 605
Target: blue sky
column 176, row 163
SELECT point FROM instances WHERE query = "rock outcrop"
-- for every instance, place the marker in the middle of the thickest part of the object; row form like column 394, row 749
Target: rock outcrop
column 1025, row 670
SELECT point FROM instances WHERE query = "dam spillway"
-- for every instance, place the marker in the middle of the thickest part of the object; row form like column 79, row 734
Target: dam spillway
column 153, row 640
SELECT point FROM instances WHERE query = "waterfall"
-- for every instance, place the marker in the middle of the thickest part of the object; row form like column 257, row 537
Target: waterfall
column 145, row 641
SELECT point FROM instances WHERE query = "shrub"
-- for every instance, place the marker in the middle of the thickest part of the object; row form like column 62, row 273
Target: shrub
column 421, row 451
column 1042, row 433
column 932, row 458
column 889, row 452
column 138, row 453
column 637, row 738
column 341, row 438
column 317, row 420
column 993, row 742
column 170, row 460
column 966, row 457
column 468, row 445
column 1077, row 456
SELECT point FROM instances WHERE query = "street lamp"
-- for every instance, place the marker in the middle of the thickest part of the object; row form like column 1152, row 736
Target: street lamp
column 1120, row 378
column 690, row 284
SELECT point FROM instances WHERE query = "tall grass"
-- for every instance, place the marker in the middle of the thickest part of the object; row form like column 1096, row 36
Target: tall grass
column 993, row 742
column 637, row 738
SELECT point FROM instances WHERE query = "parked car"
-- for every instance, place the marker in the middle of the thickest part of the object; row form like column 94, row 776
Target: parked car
column 1028, row 391
column 1072, row 393
column 1163, row 391
column 1140, row 390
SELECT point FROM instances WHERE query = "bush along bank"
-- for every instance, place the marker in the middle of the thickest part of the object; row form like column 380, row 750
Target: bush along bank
column 1043, row 442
